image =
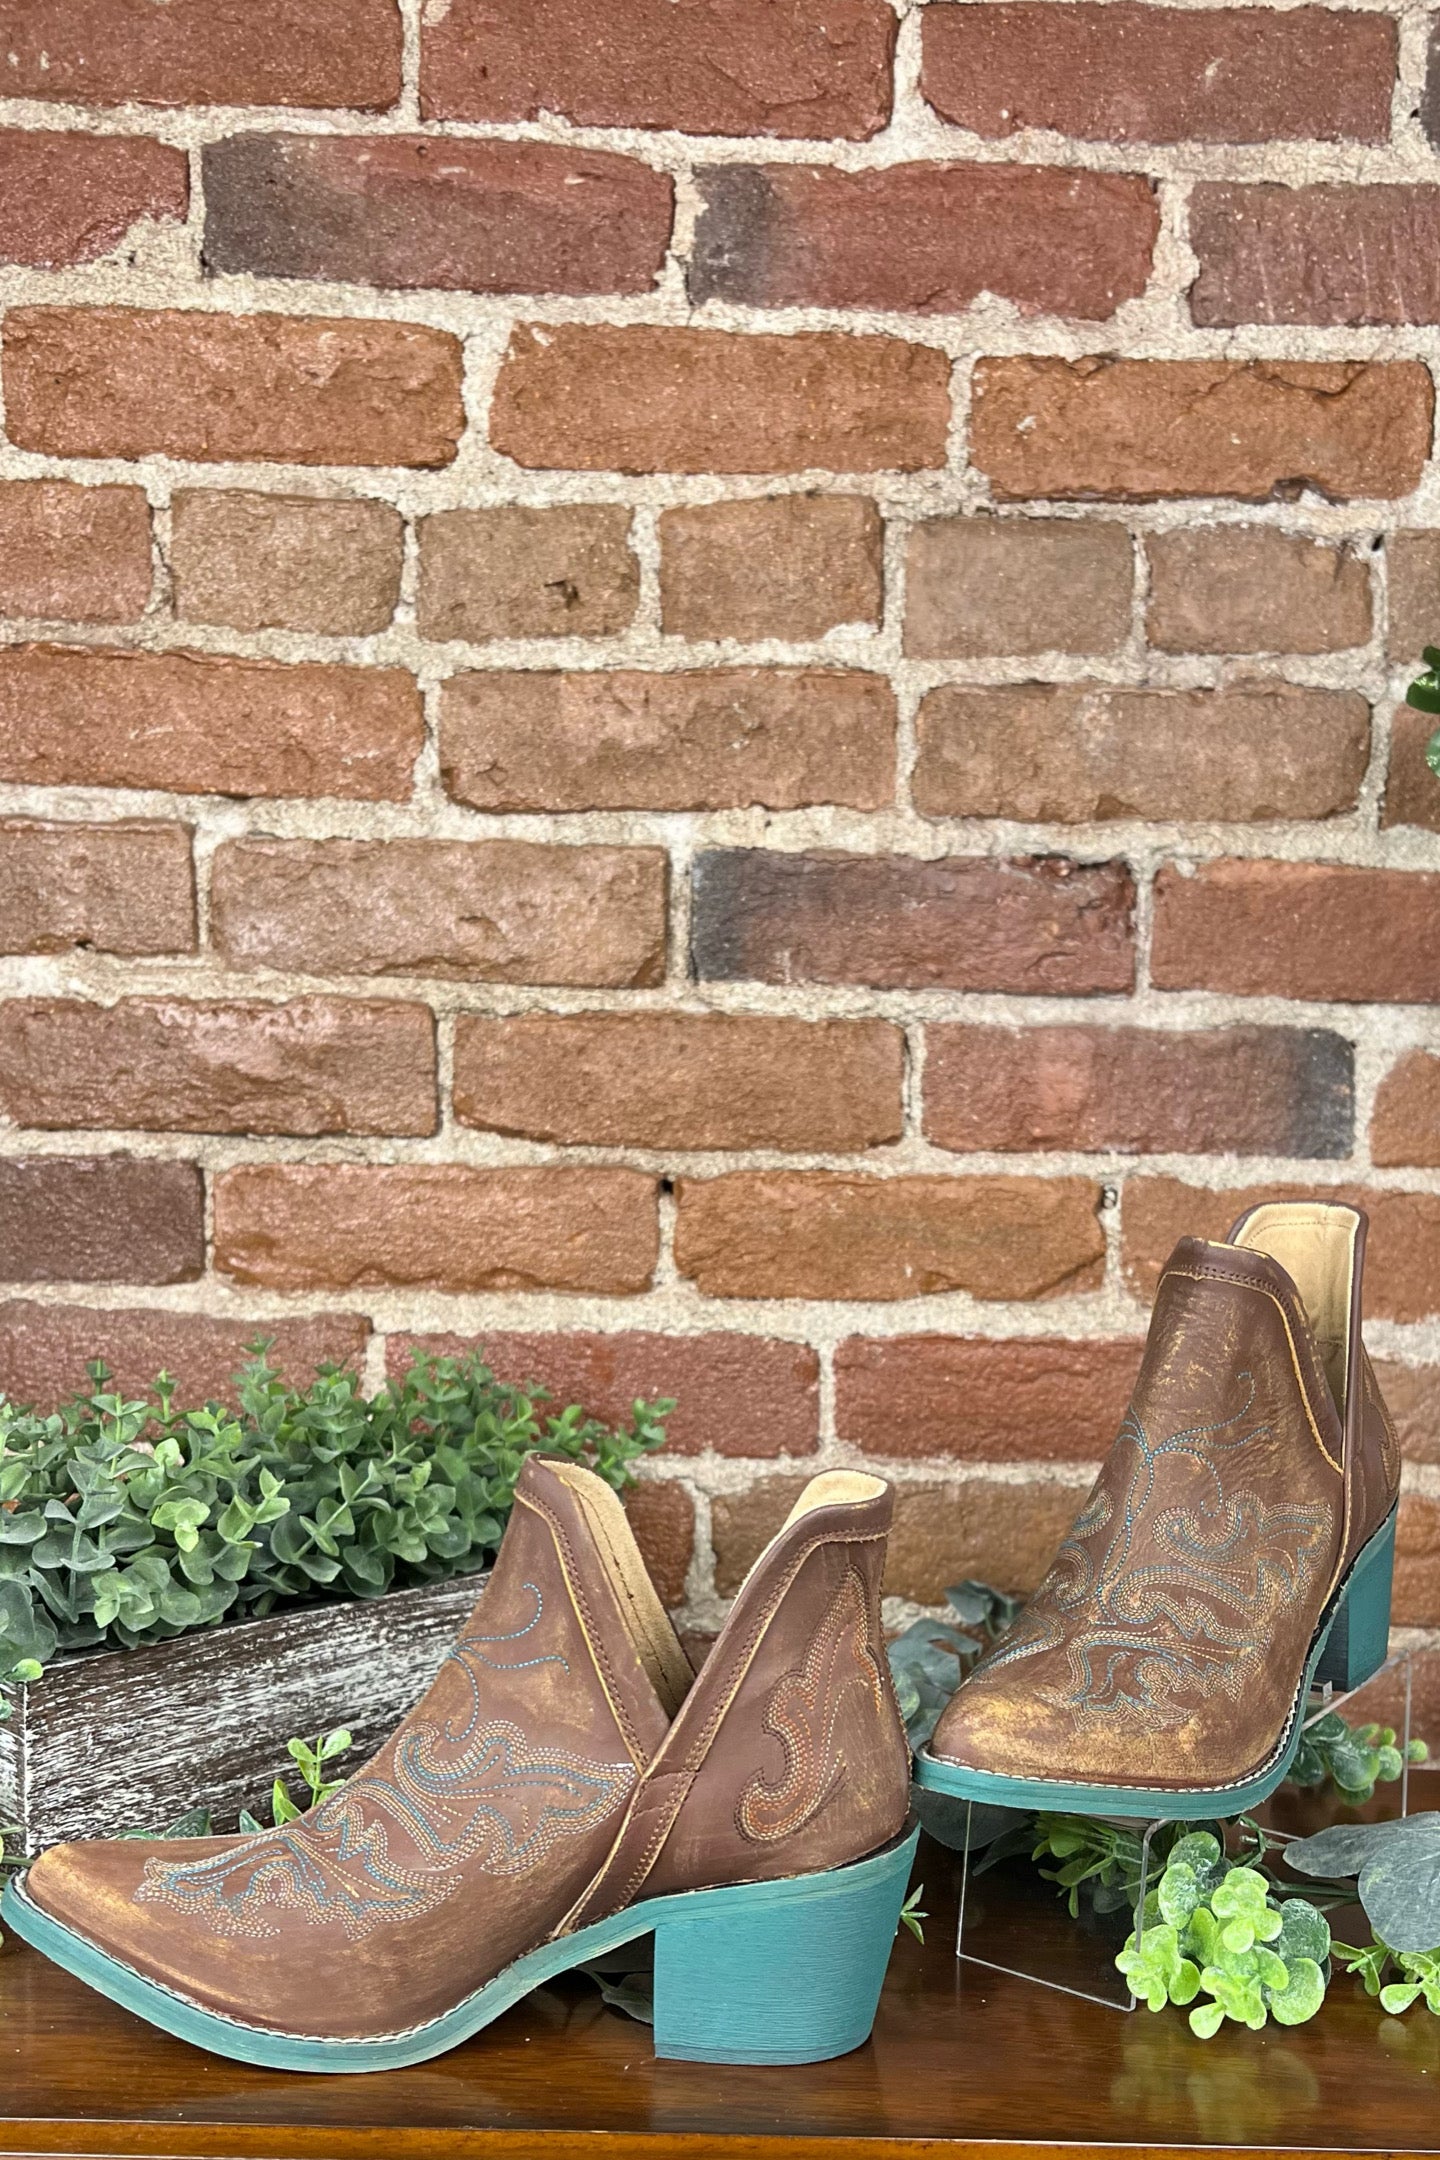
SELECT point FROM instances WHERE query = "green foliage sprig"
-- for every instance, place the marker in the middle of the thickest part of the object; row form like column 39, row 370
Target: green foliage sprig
column 1213, row 1926
column 125, row 1522
column 1356, row 1757
column 932, row 1657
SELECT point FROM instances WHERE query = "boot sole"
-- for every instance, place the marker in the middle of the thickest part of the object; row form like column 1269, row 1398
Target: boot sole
column 776, row 1972
column 1347, row 1647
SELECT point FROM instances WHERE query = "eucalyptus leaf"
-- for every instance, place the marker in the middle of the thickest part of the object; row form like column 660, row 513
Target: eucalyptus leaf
column 1397, row 1870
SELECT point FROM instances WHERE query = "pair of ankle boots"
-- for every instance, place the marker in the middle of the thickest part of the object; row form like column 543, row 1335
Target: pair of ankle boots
column 568, row 1784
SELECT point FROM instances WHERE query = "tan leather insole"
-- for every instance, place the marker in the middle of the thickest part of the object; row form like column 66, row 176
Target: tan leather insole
column 1315, row 1244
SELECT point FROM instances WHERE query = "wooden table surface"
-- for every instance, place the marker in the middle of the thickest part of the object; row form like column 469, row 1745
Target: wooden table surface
column 963, row 2061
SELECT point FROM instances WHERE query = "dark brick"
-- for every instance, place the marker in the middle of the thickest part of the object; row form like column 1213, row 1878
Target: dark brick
column 413, row 211
column 924, row 239
column 103, row 1218
column 1042, row 925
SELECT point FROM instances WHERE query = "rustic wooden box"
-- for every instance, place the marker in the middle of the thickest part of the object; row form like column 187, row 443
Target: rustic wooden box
column 112, row 1738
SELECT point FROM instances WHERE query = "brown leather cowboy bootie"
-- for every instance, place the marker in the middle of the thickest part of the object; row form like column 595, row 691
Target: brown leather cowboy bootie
column 1235, row 1548
column 566, row 1784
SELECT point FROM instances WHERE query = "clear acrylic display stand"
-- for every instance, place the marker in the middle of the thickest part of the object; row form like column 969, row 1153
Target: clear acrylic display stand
column 1029, row 1933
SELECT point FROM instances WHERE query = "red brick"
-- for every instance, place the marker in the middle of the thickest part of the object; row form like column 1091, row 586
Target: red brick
column 124, row 382
column 1031, row 1398
column 715, row 739
column 1412, row 787
column 1251, row 589
column 1042, row 926
column 44, row 1349
column 72, row 198
column 413, row 211
column 784, row 566
column 314, row 1065
column 77, row 554
column 1405, row 1126
column 1300, row 930
column 1080, row 753
column 1251, row 428
column 662, row 1516
column 976, row 586
column 1123, row 73
column 1413, row 600
column 206, row 726
column 206, row 52
column 645, row 399
column 984, row 1530
column 707, row 67
column 123, row 888
column 785, row 1233
column 103, row 1218
column 285, row 562
column 437, row 1226
column 682, row 1080
column 1142, row 1091
column 924, row 239
column 1402, row 1272
column 517, row 572
column 1328, row 254
column 469, row 911
column 1416, row 1601
column 1412, row 1396
column 737, row 1394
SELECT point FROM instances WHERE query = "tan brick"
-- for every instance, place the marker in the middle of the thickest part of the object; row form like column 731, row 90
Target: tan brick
column 923, row 239
column 1412, row 1396
column 1301, row 930
column 266, row 52
column 1413, row 563
column 206, row 726
column 1416, row 1598
column 409, row 211
column 1026, row 1399
column 74, row 554
column 1234, row 1090
column 313, row 1065
column 981, row 585
column 1063, row 753
column 643, row 398
column 72, row 198
column 1039, row 925
column 1412, row 786
column 44, row 1349
column 1251, row 589
column 983, row 1530
column 1405, row 1126
column 436, row 1226
column 1250, row 428
column 1402, row 1274
column 285, row 562
column 716, row 738
column 465, row 910
column 682, row 1080
column 126, row 888
column 515, row 572
column 124, row 382
column 715, row 67
column 786, row 1233
column 100, row 1218
column 738, row 1394
column 785, row 566
column 1122, row 73
column 662, row 1516
column 1334, row 254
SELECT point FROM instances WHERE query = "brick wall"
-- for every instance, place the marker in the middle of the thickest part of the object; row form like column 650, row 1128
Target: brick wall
column 710, row 689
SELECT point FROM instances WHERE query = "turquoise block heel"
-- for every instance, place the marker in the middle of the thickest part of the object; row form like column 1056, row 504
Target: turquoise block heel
column 1360, row 1632
column 782, row 1972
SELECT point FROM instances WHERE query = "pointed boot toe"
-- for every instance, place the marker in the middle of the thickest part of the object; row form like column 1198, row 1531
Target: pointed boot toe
column 1235, row 1549
column 565, row 1785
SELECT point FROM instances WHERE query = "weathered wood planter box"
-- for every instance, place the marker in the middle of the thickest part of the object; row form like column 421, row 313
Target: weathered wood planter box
column 113, row 1738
